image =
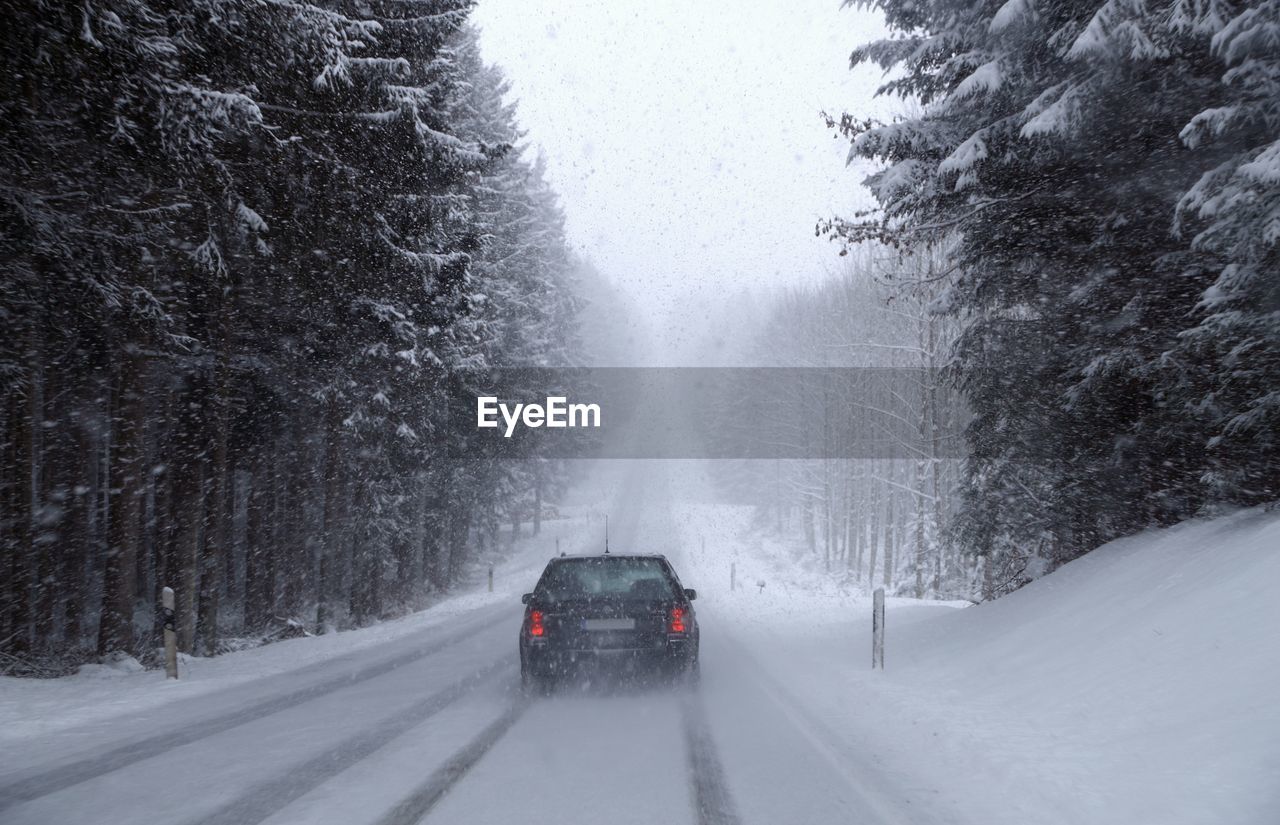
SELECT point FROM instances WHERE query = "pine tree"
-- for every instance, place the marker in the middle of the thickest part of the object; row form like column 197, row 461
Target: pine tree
column 1054, row 140
column 255, row 254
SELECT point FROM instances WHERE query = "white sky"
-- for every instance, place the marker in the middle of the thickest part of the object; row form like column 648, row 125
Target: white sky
column 684, row 137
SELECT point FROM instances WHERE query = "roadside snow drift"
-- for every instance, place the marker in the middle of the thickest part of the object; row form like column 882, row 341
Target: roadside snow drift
column 1137, row 684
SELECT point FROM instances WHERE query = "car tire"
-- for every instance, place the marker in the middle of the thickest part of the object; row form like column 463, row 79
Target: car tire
column 692, row 671
column 683, row 672
column 535, row 684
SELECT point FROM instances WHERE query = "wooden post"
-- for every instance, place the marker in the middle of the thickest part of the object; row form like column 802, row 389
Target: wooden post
column 877, row 629
column 490, row 578
column 733, row 576
column 170, row 634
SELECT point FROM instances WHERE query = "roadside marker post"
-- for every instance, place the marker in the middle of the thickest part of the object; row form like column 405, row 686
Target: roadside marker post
column 491, row 578
column 733, row 576
column 877, row 629
column 170, row 634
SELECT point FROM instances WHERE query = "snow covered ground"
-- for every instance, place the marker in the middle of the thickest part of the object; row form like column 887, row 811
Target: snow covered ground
column 1132, row 686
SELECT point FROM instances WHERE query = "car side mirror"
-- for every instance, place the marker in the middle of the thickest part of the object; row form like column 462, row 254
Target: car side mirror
column 526, row 598
column 690, row 593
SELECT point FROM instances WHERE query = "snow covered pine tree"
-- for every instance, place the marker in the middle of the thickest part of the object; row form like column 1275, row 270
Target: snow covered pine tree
column 1110, row 170
column 245, row 257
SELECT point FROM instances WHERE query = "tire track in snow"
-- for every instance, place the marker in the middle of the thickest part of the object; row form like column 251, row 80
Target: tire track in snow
column 269, row 797
column 818, row 734
column 64, row 776
column 711, row 797
column 412, row 809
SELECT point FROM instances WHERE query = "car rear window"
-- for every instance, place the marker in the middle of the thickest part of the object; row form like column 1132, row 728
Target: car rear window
column 628, row 578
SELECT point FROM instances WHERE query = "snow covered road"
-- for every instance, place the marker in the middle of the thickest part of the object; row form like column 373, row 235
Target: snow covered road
column 433, row 727
column 1015, row 713
column 257, row 748
column 447, row 737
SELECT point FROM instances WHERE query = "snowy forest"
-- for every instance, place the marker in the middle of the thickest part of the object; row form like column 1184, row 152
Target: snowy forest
column 1078, row 226
column 254, row 253
column 249, row 249
column 880, row 411
column 733, row 412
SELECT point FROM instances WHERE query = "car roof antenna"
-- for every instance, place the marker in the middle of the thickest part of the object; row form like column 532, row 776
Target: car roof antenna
column 606, row 534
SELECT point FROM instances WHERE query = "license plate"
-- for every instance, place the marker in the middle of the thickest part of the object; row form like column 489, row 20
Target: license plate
column 608, row 624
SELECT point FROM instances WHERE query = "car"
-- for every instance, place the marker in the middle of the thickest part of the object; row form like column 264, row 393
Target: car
column 622, row 612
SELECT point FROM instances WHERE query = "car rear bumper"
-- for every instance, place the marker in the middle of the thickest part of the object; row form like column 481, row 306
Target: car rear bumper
column 549, row 660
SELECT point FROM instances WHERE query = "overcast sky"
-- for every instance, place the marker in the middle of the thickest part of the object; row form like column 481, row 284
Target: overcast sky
column 683, row 135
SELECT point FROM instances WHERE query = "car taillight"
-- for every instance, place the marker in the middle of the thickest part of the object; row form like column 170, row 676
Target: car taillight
column 535, row 624
column 677, row 620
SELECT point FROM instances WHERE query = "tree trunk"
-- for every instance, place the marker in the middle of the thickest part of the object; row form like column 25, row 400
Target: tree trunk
column 921, row 559
column 459, row 530
column 826, row 516
column 860, row 545
column 853, row 532
column 806, row 516
column 187, row 480
column 300, row 570
column 46, row 526
column 361, row 568
column 939, row 546
column 290, row 561
column 17, row 628
column 258, row 590
column 874, row 537
column 188, row 489
column 402, row 552
column 889, row 537
column 165, row 513
column 537, row 501
column 374, row 571
column 77, row 535
column 126, row 478
column 146, row 569
column 230, row 594
column 935, row 431
column 218, row 526
column 329, row 532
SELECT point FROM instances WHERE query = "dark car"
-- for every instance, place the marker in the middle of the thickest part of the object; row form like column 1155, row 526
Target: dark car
column 626, row 612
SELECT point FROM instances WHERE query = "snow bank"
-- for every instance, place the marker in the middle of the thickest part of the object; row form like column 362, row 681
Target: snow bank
column 1134, row 685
